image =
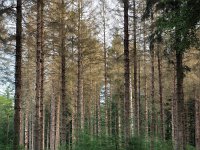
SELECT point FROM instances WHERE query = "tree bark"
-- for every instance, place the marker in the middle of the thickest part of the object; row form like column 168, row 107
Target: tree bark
column 160, row 94
column 18, row 79
column 145, row 83
column 63, row 81
column 137, row 122
column 105, row 70
column 126, row 75
column 174, row 112
column 57, row 138
column 26, row 128
column 37, row 134
column 80, row 113
column 52, row 124
column 42, row 123
column 181, row 145
column 153, row 117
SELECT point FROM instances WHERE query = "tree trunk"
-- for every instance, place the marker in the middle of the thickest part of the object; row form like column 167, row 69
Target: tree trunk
column 52, row 124
column 42, row 125
column 181, row 145
column 126, row 75
column 137, row 122
column 160, row 94
column 57, row 138
column 98, row 109
column 105, row 70
column 31, row 146
column 153, row 120
column 174, row 112
column 80, row 110
column 26, row 128
column 145, row 84
column 139, row 96
column 63, row 81
column 37, row 134
column 18, row 79
column 48, row 133
column 197, row 123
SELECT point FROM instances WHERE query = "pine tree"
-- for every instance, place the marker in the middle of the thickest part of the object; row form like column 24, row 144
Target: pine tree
column 18, row 79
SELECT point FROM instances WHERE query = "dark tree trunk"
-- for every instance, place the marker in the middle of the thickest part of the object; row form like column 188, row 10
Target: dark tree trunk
column 18, row 79
column 38, row 130
column 126, row 127
column 181, row 145
column 63, row 82
column 160, row 94
column 153, row 117
column 42, row 125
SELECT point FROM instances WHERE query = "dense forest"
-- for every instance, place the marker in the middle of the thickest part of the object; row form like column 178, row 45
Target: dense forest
column 99, row 74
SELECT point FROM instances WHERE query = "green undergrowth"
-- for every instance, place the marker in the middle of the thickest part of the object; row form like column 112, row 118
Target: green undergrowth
column 102, row 142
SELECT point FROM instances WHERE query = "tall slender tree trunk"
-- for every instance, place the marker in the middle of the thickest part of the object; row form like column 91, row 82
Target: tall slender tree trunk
column 197, row 122
column 42, row 123
column 63, row 81
column 28, row 102
column 174, row 111
column 48, row 133
column 38, row 134
column 132, row 114
column 18, row 79
column 98, row 111
column 105, row 70
column 181, row 145
column 145, row 84
column 153, row 117
column 80, row 113
column 57, row 138
column 26, row 128
column 160, row 93
column 197, row 117
column 52, row 120
column 90, row 104
column 137, row 122
column 126, row 126
column 30, row 133
column 139, row 96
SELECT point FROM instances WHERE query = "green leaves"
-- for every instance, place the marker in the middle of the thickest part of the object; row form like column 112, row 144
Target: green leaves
column 6, row 107
column 179, row 19
column 6, row 127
